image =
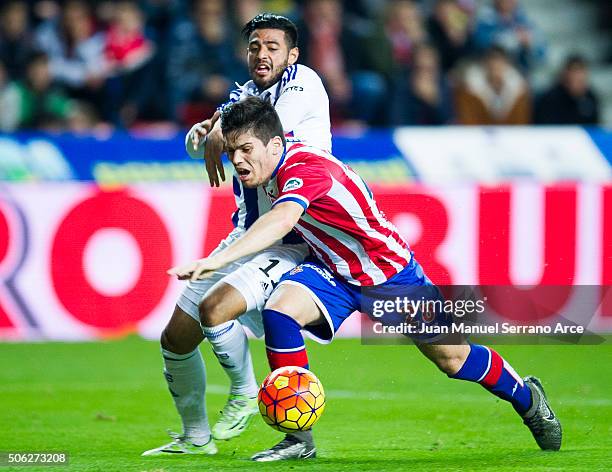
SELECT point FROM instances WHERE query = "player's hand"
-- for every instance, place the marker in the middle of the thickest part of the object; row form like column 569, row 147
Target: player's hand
column 204, row 140
column 212, row 157
column 196, row 270
column 202, row 129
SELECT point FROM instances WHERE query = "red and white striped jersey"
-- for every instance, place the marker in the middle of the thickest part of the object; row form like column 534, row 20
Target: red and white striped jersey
column 341, row 222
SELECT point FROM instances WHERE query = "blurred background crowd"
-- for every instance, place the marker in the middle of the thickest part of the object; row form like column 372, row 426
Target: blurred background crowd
column 78, row 65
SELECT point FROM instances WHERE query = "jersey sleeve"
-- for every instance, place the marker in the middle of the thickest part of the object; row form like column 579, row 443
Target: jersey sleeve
column 234, row 96
column 303, row 183
column 301, row 90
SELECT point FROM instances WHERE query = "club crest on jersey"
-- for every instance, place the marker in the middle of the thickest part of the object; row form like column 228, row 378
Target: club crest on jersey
column 296, row 270
column 292, row 184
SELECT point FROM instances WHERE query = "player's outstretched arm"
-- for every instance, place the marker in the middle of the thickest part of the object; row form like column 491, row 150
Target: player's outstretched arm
column 267, row 230
column 205, row 139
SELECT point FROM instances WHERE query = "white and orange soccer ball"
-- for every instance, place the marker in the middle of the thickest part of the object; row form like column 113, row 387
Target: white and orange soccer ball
column 291, row 399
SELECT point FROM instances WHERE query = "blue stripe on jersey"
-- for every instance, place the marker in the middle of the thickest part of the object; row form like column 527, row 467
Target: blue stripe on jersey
column 236, row 187
column 252, row 208
column 302, row 203
column 233, row 99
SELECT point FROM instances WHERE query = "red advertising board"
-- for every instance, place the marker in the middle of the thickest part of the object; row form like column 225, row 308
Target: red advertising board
column 78, row 262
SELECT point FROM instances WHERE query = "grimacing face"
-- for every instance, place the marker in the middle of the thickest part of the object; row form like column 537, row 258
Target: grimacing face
column 268, row 56
column 253, row 160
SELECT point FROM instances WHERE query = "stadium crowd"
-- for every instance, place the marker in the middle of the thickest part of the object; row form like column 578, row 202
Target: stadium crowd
column 75, row 65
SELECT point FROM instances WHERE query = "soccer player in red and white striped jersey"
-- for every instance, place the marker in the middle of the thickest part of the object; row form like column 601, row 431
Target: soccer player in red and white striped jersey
column 341, row 222
column 357, row 253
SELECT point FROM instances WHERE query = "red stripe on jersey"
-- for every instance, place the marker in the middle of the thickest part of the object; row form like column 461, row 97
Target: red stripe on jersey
column 365, row 206
column 352, row 259
column 320, row 254
column 284, row 359
column 495, row 371
column 374, row 248
column 377, row 250
column 342, row 210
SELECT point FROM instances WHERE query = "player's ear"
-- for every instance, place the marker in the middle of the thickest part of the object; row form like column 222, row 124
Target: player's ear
column 277, row 143
column 294, row 53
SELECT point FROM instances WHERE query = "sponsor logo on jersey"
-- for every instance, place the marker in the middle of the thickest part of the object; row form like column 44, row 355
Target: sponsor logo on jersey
column 322, row 272
column 292, row 184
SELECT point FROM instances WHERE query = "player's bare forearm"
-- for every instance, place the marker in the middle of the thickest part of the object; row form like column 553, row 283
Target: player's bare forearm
column 212, row 154
column 267, row 230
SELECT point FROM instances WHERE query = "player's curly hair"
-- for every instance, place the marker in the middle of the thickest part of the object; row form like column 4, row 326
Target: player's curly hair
column 252, row 114
column 272, row 21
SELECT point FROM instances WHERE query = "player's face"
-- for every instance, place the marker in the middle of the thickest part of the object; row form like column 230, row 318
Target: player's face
column 253, row 160
column 268, row 56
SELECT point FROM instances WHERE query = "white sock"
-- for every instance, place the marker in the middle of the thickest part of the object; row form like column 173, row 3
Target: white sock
column 231, row 346
column 186, row 377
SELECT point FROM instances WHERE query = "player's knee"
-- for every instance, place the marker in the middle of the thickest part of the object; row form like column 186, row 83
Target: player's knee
column 277, row 321
column 449, row 362
column 211, row 312
column 273, row 307
column 173, row 343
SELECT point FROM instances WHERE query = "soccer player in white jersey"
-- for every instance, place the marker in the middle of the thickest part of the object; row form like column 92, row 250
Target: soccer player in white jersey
column 209, row 308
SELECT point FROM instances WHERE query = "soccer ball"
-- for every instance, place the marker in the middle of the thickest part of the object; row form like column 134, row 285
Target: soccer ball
column 291, row 399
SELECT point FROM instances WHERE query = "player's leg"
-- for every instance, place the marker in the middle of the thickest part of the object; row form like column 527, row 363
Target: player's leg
column 308, row 298
column 185, row 374
column 242, row 292
column 289, row 309
column 218, row 312
column 480, row 364
column 483, row 365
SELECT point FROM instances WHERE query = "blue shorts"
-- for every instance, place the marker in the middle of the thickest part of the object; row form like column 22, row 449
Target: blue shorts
column 337, row 299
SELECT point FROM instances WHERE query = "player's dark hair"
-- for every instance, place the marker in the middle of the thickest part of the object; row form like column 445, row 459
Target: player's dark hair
column 575, row 60
column 496, row 52
column 272, row 21
column 252, row 114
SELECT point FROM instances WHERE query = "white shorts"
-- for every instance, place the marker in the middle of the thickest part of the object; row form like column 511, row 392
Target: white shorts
column 254, row 277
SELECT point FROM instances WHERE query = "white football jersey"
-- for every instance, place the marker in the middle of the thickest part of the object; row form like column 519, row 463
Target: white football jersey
column 301, row 102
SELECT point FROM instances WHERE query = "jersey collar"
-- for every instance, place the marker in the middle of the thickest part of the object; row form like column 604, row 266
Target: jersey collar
column 273, row 91
column 280, row 162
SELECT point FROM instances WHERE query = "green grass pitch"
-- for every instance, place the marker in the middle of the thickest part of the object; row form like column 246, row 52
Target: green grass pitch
column 387, row 409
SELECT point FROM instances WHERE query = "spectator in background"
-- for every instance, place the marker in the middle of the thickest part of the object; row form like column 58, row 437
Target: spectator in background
column 243, row 11
column 160, row 15
column 404, row 29
column 506, row 25
column 84, row 119
column 7, row 115
column 390, row 47
column 335, row 50
column 493, row 92
column 422, row 96
column 449, row 30
column 281, row 7
column 16, row 41
column 203, row 64
column 75, row 50
column 34, row 103
column 129, row 55
column 571, row 100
